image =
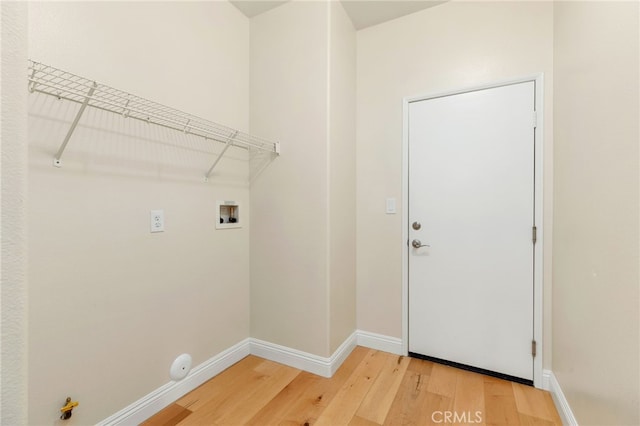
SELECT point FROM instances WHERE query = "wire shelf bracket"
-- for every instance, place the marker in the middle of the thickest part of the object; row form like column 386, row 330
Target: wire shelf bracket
column 57, row 160
column 65, row 85
column 215, row 163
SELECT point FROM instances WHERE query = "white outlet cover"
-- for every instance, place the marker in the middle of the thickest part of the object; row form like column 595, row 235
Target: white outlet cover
column 180, row 367
column 157, row 220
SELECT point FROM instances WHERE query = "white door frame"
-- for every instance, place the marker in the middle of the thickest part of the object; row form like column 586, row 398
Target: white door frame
column 538, row 79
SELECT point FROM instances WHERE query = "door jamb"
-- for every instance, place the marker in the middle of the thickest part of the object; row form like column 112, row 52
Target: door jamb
column 538, row 309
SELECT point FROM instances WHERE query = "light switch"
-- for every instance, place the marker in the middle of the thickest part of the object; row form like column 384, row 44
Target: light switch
column 391, row 206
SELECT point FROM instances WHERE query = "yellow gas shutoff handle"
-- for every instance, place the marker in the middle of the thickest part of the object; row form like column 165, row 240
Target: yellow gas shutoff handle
column 67, row 410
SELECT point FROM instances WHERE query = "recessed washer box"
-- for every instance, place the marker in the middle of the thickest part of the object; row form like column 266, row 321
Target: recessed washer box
column 228, row 215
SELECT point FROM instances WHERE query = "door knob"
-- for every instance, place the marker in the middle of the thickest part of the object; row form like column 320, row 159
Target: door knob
column 418, row 244
column 416, row 225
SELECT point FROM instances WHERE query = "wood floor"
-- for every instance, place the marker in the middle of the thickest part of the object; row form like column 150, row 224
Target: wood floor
column 370, row 388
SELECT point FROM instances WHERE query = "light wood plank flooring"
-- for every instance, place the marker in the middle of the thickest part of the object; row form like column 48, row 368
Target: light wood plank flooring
column 370, row 388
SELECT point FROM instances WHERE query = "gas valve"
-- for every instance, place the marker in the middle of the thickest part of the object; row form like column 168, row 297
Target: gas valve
column 67, row 410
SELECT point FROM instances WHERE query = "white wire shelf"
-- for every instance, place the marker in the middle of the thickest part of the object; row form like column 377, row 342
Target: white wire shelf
column 65, row 85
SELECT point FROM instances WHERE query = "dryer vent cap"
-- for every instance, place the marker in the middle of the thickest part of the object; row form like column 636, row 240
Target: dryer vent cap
column 180, row 367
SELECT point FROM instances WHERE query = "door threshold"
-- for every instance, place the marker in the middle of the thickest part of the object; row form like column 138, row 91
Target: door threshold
column 473, row 369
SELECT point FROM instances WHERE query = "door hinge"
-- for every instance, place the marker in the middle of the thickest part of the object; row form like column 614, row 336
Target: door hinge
column 534, row 234
column 535, row 119
column 533, row 348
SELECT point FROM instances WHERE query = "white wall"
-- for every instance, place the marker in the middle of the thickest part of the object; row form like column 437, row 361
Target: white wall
column 13, row 206
column 289, row 211
column 449, row 46
column 102, row 303
column 596, row 300
column 342, row 176
column 112, row 305
column 303, row 215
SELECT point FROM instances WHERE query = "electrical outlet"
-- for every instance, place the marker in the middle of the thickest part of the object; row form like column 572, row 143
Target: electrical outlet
column 157, row 220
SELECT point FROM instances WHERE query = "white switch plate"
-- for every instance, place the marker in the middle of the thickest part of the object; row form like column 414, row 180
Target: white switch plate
column 157, row 220
column 391, row 205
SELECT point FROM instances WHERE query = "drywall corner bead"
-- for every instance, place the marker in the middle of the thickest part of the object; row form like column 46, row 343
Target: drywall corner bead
column 13, row 170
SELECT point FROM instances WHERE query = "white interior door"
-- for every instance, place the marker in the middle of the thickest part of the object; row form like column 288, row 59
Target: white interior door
column 471, row 189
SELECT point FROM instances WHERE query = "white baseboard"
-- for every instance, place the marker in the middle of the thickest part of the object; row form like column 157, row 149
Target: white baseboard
column 152, row 403
column 546, row 378
column 379, row 342
column 322, row 366
column 343, row 351
column 550, row 383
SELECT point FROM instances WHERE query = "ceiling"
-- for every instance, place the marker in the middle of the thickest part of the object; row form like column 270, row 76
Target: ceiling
column 251, row 8
column 363, row 13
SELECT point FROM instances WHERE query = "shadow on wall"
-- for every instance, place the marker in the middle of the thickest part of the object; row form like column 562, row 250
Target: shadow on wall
column 111, row 144
column 258, row 162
